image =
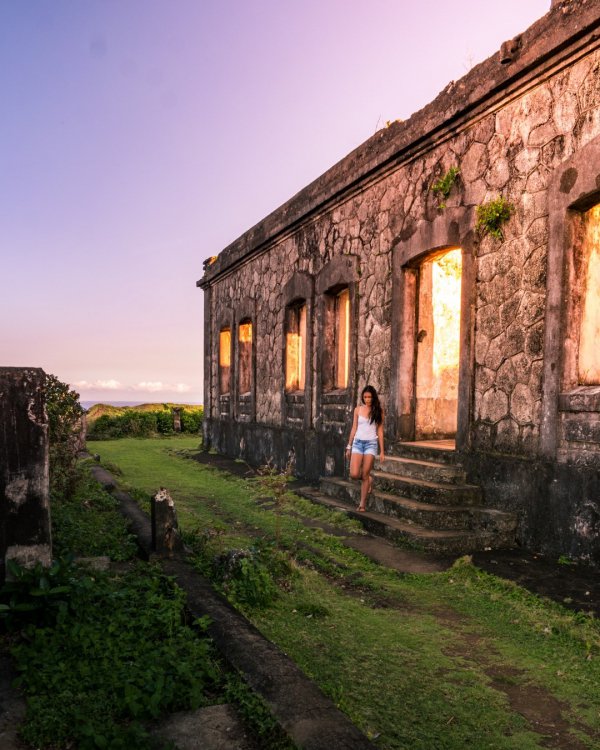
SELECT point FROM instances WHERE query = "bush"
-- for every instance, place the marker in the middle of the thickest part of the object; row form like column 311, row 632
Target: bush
column 191, row 420
column 164, row 422
column 144, row 423
column 64, row 427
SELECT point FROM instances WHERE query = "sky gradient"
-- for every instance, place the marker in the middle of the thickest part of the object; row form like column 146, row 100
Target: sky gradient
column 140, row 137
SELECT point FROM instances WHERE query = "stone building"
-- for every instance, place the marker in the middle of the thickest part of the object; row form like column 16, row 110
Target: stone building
column 483, row 338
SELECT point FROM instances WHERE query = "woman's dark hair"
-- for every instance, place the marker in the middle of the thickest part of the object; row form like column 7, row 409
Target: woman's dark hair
column 376, row 415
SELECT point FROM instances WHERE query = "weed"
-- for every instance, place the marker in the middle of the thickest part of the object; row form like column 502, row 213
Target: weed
column 256, row 715
column 444, row 185
column 492, row 215
column 565, row 560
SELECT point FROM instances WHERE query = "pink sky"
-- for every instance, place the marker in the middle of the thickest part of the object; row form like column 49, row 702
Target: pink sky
column 139, row 137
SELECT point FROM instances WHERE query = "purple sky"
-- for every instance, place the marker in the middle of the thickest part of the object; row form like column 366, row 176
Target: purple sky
column 139, row 137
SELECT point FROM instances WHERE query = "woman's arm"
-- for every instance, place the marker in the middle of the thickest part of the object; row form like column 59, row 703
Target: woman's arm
column 380, row 437
column 353, row 431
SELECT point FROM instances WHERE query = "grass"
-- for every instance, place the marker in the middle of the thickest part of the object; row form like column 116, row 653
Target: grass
column 445, row 660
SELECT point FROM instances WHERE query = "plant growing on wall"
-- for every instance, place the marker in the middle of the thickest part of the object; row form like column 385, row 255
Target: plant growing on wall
column 444, row 185
column 492, row 215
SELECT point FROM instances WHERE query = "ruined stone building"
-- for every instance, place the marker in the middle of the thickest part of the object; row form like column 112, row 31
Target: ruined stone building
column 482, row 338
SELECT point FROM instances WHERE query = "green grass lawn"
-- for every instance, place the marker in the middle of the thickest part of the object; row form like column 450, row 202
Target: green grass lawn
column 449, row 660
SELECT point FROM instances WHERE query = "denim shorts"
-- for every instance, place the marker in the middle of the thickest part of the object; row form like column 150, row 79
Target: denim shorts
column 365, row 447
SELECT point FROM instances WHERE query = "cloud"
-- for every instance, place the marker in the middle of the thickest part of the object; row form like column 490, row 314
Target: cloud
column 146, row 386
column 98, row 385
column 151, row 386
column 155, row 386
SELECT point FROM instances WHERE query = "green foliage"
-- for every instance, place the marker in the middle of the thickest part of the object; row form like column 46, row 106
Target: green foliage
column 153, row 419
column 565, row 560
column 244, row 578
column 256, row 715
column 492, row 215
column 164, row 422
column 36, row 595
column 64, row 421
column 191, row 419
column 118, row 655
column 444, row 185
column 88, row 523
column 250, row 577
column 274, row 484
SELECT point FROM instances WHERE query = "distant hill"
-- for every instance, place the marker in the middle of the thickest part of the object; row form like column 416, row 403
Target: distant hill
column 97, row 410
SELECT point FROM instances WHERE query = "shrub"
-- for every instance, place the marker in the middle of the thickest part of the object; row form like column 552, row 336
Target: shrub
column 164, row 422
column 64, row 426
column 191, row 420
column 144, row 423
column 245, row 578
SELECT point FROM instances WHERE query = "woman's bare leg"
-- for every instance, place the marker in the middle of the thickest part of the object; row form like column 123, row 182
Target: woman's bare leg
column 356, row 465
column 367, row 480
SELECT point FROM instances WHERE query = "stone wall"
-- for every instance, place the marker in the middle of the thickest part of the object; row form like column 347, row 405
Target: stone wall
column 24, row 500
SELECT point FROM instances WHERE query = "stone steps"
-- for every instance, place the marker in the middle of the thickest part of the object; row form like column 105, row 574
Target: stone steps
column 421, row 497
column 428, row 515
column 428, row 470
column 407, row 533
column 441, row 493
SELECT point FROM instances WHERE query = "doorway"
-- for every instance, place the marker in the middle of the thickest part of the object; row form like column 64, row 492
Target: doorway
column 438, row 345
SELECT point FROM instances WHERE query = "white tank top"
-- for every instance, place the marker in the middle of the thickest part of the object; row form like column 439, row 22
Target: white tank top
column 366, row 430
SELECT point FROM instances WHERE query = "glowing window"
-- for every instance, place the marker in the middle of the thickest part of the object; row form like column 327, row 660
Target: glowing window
column 589, row 335
column 295, row 348
column 342, row 338
column 245, row 357
column 224, row 360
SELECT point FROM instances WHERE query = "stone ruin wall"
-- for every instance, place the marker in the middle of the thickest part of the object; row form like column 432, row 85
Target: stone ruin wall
column 25, row 534
column 512, row 151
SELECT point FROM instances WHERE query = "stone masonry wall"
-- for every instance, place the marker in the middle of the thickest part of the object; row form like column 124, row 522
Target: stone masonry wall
column 511, row 151
column 24, row 500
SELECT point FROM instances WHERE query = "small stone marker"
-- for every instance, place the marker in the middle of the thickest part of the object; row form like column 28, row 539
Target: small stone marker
column 166, row 538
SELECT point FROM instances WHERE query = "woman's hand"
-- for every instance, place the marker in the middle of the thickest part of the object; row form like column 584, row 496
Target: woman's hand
column 381, row 457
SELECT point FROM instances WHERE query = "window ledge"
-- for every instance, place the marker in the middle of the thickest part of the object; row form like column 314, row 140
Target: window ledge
column 295, row 395
column 582, row 398
column 335, row 396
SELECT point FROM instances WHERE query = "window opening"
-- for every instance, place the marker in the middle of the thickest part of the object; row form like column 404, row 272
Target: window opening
column 589, row 335
column 295, row 348
column 245, row 357
column 342, row 344
column 438, row 347
column 224, row 360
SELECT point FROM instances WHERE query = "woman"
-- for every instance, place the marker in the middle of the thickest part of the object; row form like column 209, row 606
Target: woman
column 367, row 431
